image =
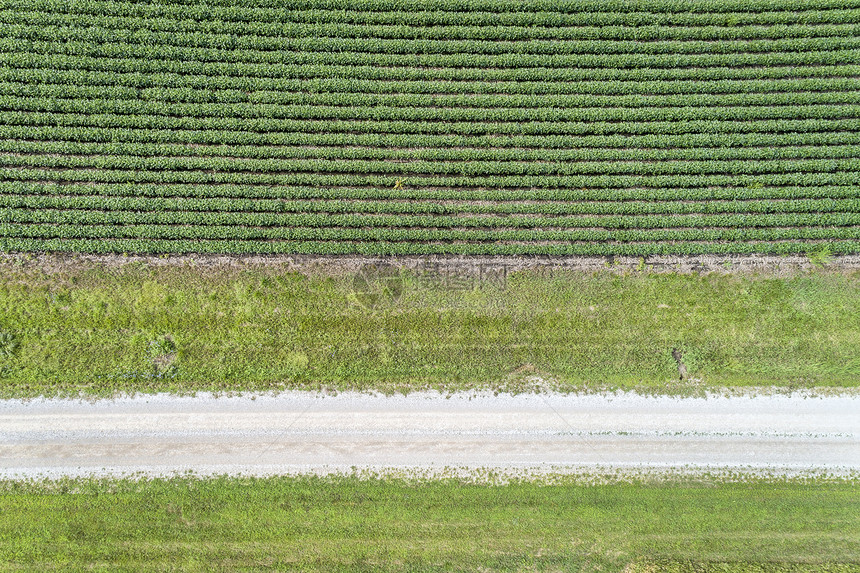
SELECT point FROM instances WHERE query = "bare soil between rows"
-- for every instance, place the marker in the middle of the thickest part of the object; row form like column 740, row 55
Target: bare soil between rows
column 776, row 266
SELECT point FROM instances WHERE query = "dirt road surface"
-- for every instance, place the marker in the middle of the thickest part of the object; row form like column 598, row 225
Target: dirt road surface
column 310, row 433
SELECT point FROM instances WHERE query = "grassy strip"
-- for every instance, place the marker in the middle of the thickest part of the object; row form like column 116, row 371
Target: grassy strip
column 96, row 330
column 385, row 524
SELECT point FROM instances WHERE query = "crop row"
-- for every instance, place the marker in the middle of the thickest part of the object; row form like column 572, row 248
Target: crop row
column 510, row 126
column 457, row 11
column 413, row 141
column 598, row 83
column 237, row 19
column 420, row 167
column 550, row 5
column 596, row 67
column 678, row 77
column 226, row 97
column 259, row 125
column 150, row 246
column 558, row 30
column 342, row 217
column 364, row 180
column 204, row 111
column 400, row 209
column 386, row 234
column 416, row 195
column 130, row 57
column 237, row 157
column 240, row 154
column 313, row 43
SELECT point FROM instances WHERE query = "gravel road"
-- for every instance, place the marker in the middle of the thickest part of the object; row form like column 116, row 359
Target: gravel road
column 310, row 433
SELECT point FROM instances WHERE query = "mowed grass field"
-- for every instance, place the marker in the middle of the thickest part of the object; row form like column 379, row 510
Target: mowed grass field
column 351, row 524
column 448, row 126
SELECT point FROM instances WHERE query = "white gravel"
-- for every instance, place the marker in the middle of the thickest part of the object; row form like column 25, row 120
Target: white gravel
column 311, row 433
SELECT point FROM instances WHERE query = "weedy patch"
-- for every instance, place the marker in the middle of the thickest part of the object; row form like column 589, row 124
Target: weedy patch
column 9, row 344
column 296, row 362
column 569, row 331
column 161, row 354
column 820, row 258
column 528, row 378
column 9, row 347
column 688, row 360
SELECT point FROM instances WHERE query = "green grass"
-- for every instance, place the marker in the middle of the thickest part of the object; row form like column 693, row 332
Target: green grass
column 184, row 329
column 385, row 524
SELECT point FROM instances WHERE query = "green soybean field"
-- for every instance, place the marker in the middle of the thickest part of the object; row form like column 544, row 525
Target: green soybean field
column 379, row 127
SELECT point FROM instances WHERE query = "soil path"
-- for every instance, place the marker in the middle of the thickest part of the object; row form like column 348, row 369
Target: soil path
column 490, row 267
column 310, row 433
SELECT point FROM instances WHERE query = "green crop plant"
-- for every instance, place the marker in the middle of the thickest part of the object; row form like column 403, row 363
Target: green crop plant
column 522, row 127
column 820, row 257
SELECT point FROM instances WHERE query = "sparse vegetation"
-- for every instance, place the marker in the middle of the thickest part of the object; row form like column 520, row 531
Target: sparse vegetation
column 161, row 354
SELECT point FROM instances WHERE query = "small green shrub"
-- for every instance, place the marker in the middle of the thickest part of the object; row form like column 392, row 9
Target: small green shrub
column 161, row 354
column 9, row 344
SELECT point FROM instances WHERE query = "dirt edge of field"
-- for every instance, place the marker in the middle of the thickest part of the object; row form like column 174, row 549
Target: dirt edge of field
column 339, row 265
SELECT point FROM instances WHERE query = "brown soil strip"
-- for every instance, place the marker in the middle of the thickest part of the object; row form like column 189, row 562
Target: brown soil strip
column 339, row 265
